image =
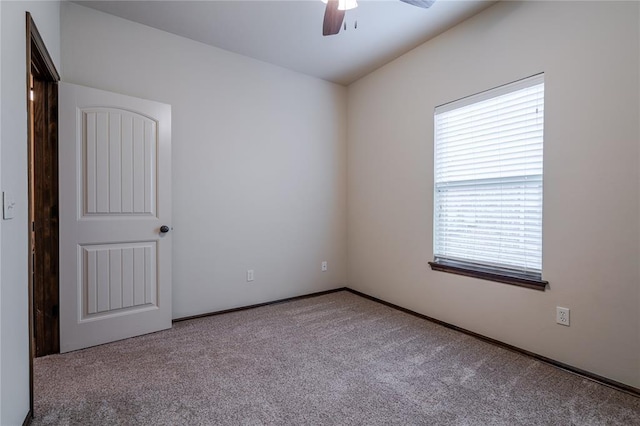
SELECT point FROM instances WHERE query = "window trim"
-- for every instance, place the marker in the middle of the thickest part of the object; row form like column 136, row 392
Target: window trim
column 500, row 275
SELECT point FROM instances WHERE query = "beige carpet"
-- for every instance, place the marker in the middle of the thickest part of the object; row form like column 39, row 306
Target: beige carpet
column 337, row 359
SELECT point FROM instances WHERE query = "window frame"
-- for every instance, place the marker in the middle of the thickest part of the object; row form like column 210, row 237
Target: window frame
column 470, row 268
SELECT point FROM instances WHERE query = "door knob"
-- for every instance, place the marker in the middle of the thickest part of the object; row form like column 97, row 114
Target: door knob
column 164, row 229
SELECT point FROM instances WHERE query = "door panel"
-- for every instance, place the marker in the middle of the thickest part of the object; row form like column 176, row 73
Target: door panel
column 120, row 156
column 115, row 194
column 118, row 276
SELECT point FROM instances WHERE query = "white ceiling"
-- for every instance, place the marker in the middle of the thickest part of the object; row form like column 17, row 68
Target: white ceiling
column 289, row 33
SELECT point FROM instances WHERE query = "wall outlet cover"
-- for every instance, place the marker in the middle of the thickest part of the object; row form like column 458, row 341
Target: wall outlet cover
column 562, row 315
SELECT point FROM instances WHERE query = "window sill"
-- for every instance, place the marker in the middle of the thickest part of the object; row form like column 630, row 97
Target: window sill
column 487, row 273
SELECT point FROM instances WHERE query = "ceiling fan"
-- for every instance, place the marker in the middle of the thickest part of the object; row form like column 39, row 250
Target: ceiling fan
column 334, row 12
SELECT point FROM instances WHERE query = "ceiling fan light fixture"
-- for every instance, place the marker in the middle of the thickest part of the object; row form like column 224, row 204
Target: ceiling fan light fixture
column 345, row 4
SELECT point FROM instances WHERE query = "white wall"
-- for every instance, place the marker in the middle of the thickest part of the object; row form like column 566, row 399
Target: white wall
column 590, row 55
column 14, row 367
column 0, row 218
column 259, row 160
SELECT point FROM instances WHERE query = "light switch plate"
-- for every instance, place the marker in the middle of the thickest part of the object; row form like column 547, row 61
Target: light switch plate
column 8, row 206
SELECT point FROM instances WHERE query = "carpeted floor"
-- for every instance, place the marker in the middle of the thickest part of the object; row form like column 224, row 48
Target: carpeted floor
column 337, row 359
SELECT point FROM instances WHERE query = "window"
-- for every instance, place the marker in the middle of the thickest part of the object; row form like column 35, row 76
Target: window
column 488, row 184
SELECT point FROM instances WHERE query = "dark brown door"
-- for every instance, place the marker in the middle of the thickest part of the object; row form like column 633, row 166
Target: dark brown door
column 44, row 231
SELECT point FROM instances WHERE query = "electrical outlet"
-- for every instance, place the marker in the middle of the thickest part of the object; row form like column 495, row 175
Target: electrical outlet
column 249, row 275
column 323, row 267
column 562, row 316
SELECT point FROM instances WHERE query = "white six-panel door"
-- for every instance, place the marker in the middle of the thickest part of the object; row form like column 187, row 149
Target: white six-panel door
column 115, row 197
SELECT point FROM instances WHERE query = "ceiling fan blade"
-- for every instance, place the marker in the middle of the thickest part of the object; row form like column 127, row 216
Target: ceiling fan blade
column 332, row 18
column 425, row 4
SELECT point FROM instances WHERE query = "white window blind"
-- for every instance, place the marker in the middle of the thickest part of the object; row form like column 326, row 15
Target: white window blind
column 488, row 178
